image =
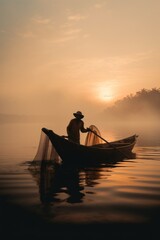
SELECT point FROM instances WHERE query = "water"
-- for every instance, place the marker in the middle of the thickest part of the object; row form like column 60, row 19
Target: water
column 34, row 201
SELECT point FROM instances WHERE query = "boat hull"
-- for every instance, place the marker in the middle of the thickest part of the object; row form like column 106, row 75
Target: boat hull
column 72, row 153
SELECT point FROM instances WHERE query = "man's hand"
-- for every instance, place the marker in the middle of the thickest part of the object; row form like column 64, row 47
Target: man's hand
column 88, row 130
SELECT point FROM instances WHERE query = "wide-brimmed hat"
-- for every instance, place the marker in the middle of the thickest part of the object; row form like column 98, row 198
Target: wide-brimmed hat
column 78, row 114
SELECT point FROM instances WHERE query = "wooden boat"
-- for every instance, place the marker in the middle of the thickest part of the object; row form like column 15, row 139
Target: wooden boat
column 73, row 153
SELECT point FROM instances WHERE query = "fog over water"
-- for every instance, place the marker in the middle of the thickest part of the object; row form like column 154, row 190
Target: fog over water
column 94, row 56
column 138, row 114
column 123, row 193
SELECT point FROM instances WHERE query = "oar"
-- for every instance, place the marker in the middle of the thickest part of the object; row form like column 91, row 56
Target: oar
column 108, row 143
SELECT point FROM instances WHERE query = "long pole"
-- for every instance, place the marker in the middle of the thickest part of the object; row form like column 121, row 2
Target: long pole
column 109, row 143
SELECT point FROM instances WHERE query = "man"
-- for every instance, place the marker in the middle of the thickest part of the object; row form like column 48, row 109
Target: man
column 75, row 126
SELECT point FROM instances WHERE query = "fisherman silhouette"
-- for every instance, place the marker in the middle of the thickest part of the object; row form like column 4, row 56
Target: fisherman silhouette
column 75, row 126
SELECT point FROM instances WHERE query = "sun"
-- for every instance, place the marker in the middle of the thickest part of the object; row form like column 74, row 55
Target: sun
column 105, row 94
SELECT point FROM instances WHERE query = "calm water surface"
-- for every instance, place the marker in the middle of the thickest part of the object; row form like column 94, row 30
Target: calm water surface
column 124, row 192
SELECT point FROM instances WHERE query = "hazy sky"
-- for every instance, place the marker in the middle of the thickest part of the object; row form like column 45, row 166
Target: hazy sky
column 60, row 56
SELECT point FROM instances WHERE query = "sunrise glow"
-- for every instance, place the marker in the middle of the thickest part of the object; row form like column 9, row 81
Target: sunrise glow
column 105, row 94
column 76, row 55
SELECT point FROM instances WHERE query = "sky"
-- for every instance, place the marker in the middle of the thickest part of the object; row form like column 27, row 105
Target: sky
column 61, row 56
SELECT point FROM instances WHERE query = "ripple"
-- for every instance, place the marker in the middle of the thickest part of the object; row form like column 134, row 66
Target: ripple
column 128, row 191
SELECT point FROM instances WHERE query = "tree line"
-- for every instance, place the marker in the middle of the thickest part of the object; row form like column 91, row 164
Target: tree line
column 144, row 104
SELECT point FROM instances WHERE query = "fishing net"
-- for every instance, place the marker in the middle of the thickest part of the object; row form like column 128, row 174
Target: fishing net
column 46, row 150
column 91, row 138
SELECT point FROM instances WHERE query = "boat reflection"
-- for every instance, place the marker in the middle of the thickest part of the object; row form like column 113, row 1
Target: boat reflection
column 59, row 180
column 61, row 183
column 57, row 183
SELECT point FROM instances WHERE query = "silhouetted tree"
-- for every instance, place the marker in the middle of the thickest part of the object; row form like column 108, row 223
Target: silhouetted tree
column 145, row 103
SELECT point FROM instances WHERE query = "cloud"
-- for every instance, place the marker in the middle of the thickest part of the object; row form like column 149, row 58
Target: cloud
column 64, row 39
column 27, row 34
column 98, row 5
column 41, row 20
column 94, row 69
column 72, row 31
column 76, row 17
column 68, row 35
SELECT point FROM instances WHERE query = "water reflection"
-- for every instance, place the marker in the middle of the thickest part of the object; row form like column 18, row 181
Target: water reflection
column 92, row 175
column 61, row 183
column 58, row 183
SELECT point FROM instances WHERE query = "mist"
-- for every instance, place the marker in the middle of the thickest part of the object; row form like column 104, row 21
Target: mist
column 143, row 107
column 140, row 108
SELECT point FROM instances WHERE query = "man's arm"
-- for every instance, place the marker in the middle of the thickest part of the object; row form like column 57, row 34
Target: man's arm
column 83, row 129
